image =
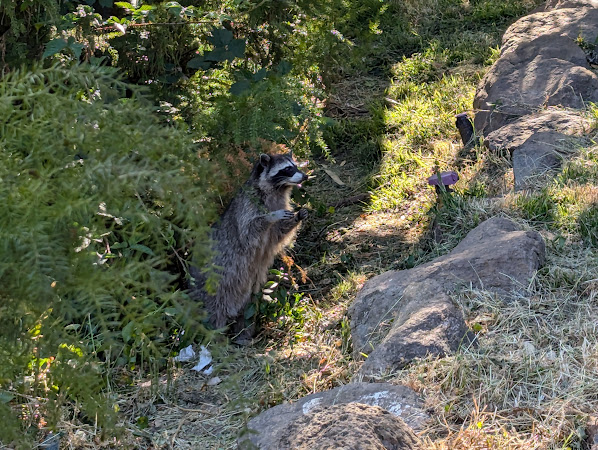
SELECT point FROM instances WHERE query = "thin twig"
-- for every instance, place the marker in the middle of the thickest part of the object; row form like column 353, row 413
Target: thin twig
column 155, row 24
column 182, row 421
column 201, row 411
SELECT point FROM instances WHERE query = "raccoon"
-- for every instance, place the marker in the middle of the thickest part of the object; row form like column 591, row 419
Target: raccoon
column 255, row 227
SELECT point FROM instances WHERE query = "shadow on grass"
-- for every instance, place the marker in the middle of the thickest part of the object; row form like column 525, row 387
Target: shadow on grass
column 392, row 99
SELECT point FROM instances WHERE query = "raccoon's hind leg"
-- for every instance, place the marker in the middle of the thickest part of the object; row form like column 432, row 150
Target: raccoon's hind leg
column 228, row 303
column 242, row 333
column 218, row 317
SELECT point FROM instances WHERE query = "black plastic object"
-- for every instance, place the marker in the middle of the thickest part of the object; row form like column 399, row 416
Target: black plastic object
column 465, row 127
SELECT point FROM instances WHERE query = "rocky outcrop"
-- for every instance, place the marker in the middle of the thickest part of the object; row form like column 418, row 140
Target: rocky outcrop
column 402, row 315
column 427, row 322
column 556, row 4
column 302, row 417
column 539, row 142
column 541, row 65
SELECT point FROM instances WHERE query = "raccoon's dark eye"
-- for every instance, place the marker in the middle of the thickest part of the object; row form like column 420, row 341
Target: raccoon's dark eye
column 288, row 171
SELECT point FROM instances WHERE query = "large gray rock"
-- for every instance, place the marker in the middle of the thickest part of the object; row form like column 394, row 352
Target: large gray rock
column 265, row 430
column 347, row 426
column 497, row 255
column 427, row 323
column 540, row 65
column 539, row 142
column 562, row 20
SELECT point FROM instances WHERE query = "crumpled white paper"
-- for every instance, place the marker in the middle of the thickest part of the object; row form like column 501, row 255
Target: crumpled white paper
column 185, row 354
column 205, row 358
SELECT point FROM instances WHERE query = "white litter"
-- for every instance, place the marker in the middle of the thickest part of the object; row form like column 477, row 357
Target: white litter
column 214, row 381
column 185, row 354
column 205, row 358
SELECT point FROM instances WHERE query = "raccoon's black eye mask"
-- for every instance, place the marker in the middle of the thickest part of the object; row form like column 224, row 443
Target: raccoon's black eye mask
column 287, row 171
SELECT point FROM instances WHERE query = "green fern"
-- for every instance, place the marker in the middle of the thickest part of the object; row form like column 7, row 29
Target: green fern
column 100, row 202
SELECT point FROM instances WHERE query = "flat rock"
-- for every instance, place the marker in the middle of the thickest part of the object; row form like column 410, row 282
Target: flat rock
column 347, row 426
column 539, row 142
column 427, row 323
column 267, row 428
column 540, row 65
column 497, row 255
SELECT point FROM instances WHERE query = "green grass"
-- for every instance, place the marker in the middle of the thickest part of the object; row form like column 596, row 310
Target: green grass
column 433, row 53
column 588, row 224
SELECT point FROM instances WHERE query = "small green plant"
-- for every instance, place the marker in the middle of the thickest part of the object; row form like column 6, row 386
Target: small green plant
column 277, row 302
column 347, row 341
column 538, row 207
column 586, row 44
column 588, row 224
column 582, row 169
column 476, row 189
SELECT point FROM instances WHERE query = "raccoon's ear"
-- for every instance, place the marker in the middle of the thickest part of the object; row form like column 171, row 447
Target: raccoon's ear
column 264, row 159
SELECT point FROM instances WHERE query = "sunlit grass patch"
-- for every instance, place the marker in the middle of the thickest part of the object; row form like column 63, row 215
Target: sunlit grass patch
column 421, row 129
column 425, row 111
column 347, row 287
column 566, row 204
column 588, row 223
column 397, row 179
column 582, row 168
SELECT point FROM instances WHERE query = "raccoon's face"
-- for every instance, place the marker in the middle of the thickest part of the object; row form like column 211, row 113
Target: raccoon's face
column 279, row 171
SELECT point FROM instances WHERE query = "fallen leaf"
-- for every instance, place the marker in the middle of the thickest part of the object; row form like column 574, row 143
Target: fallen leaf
column 333, row 175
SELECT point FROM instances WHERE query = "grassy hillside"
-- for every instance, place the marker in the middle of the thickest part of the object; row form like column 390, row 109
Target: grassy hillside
column 532, row 381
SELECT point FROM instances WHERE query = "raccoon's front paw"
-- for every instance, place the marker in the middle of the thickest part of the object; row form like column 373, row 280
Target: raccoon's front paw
column 301, row 214
column 281, row 214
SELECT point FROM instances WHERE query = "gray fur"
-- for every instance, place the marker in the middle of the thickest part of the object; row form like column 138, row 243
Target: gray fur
column 253, row 230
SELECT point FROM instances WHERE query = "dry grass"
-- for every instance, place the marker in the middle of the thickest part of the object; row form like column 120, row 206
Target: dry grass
column 352, row 97
column 532, row 378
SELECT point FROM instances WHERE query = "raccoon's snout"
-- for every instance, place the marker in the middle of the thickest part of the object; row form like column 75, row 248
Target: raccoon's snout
column 303, row 178
column 298, row 178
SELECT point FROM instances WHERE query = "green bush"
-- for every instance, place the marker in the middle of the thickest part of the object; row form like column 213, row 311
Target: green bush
column 100, row 204
column 25, row 28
